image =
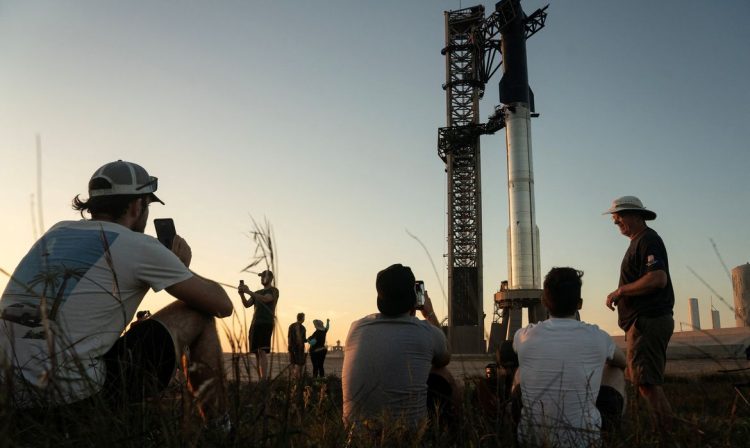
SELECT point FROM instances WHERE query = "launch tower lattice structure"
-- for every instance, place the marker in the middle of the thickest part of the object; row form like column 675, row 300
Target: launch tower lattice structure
column 458, row 146
column 472, row 49
column 472, row 56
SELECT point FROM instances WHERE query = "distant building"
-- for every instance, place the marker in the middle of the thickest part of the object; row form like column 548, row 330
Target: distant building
column 337, row 347
column 695, row 314
column 715, row 320
column 741, row 287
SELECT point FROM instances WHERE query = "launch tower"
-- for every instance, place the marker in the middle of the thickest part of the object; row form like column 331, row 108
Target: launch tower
column 472, row 55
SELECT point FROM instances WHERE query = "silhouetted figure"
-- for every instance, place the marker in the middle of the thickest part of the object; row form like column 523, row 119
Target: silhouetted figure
column 296, row 338
column 318, row 349
column 264, row 319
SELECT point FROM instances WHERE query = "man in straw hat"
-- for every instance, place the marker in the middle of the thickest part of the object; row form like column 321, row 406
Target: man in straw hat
column 644, row 300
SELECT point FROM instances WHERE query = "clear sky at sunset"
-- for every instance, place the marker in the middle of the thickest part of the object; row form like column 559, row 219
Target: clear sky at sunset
column 322, row 118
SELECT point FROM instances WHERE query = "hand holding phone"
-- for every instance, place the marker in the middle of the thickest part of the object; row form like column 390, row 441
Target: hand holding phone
column 165, row 231
column 243, row 289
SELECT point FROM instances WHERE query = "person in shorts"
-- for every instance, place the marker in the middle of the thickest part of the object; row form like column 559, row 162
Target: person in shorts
column 645, row 302
column 73, row 294
column 296, row 338
column 264, row 319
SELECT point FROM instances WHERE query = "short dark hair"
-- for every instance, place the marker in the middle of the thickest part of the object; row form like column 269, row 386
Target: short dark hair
column 562, row 291
column 114, row 206
column 395, row 286
column 300, row 316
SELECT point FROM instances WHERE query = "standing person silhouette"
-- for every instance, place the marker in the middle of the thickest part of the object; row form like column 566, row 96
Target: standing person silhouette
column 264, row 319
column 318, row 349
column 296, row 338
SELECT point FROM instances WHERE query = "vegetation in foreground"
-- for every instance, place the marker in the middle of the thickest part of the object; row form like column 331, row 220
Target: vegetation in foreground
column 279, row 413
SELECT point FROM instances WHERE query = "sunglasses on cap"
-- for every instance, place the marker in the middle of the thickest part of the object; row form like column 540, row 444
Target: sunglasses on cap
column 153, row 181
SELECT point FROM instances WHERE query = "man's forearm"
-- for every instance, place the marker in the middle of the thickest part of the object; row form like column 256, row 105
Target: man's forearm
column 650, row 282
column 432, row 318
column 203, row 295
column 211, row 284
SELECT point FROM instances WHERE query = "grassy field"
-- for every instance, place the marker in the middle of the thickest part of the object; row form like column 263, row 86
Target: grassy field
column 279, row 413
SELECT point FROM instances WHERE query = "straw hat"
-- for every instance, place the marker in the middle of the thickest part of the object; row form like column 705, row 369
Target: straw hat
column 630, row 204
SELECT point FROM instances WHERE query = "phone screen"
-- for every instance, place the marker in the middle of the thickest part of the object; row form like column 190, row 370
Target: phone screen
column 419, row 289
column 165, row 231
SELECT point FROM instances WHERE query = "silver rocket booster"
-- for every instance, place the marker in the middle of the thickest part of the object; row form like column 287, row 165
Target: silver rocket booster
column 523, row 234
column 524, row 276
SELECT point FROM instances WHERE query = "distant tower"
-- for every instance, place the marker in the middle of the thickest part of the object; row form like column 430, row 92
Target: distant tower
column 715, row 320
column 458, row 146
column 695, row 315
column 741, row 287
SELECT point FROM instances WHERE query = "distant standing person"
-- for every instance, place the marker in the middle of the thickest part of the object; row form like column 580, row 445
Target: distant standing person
column 264, row 319
column 296, row 339
column 644, row 301
column 318, row 349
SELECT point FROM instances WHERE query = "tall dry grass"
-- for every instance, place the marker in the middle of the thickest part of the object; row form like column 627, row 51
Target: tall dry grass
column 308, row 413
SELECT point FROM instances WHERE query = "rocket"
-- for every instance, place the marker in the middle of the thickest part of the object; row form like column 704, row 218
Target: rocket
column 523, row 234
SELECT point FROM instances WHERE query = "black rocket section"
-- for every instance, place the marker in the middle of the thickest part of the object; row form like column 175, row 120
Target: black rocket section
column 514, row 85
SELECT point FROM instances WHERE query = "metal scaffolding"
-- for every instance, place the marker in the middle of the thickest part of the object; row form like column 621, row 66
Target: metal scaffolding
column 458, row 146
column 472, row 55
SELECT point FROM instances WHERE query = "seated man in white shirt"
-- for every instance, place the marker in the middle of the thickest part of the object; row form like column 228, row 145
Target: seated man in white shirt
column 562, row 361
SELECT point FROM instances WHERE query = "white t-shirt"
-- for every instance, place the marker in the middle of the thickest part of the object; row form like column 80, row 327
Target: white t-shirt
column 91, row 276
column 386, row 364
column 561, row 363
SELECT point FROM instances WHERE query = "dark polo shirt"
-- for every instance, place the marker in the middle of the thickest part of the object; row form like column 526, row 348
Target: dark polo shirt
column 646, row 253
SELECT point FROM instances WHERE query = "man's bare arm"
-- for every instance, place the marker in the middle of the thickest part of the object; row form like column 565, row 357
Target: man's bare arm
column 650, row 282
column 203, row 295
column 197, row 292
column 265, row 298
column 428, row 312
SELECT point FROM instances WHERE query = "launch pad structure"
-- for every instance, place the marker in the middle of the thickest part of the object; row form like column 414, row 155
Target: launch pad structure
column 475, row 48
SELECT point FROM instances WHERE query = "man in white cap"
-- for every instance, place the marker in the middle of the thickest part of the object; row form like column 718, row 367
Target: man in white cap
column 644, row 301
column 73, row 294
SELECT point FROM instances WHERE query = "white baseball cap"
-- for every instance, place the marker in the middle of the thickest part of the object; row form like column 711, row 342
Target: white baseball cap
column 123, row 178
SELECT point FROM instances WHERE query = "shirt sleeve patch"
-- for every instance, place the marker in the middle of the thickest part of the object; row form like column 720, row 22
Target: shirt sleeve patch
column 652, row 262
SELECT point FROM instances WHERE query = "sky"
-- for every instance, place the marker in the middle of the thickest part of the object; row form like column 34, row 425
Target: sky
column 321, row 118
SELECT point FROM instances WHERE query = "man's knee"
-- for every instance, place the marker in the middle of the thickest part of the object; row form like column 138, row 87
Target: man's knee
column 184, row 323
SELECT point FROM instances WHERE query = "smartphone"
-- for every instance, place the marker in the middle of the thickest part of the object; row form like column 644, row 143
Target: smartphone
column 165, row 231
column 419, row 289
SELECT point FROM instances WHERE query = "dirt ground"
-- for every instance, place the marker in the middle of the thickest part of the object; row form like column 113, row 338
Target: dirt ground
column 463, row 366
